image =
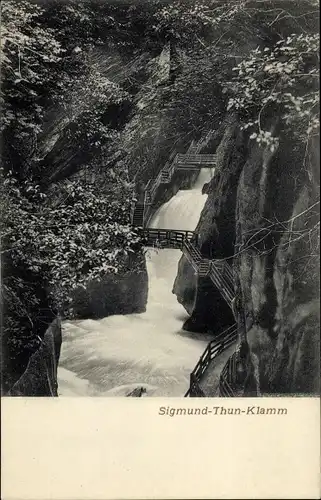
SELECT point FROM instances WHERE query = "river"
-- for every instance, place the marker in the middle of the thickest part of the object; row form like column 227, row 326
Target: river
column 113, row 355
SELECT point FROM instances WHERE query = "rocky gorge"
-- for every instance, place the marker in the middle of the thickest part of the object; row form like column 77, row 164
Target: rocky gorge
column 137, row 88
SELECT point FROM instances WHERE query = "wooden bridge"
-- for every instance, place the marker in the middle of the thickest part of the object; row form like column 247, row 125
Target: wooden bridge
column 219, row 271
column 194, row 161
column 167, row 238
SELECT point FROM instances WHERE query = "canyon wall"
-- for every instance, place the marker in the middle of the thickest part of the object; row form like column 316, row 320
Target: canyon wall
column 40, row 376
column 261, row 215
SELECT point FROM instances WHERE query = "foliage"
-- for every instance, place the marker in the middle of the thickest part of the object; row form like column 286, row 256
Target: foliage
column 34, row 51
column 189, row 23
column 30, row 55
column 48, row 249
column 284, row 77
column 82, row 236
column 61, row 114
column 88, row 104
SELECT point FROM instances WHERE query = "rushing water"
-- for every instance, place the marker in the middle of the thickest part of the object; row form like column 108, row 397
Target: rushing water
column 112, row 356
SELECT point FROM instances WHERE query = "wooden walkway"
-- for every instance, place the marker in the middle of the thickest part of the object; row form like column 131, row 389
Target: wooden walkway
column 218, row 271
column 167, row 238
column 213, row 350
column 191, row 160
column 205, row 378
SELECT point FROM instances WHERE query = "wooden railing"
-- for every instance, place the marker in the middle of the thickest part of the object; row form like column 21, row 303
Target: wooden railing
column 222, row 277
column 196, row 147
column 186, row 161
column 227, row 378
column 218, row 271
column 186, row 241
column 213, row 349
column 167, row 238
column 200, row 264
column 192, row 254
column 190, row 160
column 232, row 378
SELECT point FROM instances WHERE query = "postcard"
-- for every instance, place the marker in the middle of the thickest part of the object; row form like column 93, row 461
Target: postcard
column 160, row 240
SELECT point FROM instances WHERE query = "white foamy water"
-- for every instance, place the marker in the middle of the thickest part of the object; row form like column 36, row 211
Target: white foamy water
column 112, row 356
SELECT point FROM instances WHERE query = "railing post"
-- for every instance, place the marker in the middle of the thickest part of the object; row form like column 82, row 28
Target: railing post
column 132, row 210
column 191, row 386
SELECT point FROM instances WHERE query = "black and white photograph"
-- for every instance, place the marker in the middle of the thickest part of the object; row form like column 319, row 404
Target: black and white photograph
column 160, row 198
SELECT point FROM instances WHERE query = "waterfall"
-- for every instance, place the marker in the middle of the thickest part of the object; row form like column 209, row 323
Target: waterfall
column 113, row 355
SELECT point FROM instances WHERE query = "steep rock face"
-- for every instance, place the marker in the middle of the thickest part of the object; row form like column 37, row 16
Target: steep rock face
column 296, row 354
column 60, row 154
column 40, row 376
column 276, row 270
column 210, row 313
column 261, row 214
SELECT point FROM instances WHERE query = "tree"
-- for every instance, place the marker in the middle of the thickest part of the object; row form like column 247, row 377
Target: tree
column 56, row 237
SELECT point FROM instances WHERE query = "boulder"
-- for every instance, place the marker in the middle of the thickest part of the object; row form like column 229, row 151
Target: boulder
column 40, row 376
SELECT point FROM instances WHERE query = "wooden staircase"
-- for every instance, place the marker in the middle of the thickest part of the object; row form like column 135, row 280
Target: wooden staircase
column 204, row 268
column 192, row 254
column 138, row 215
column 194, row 148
